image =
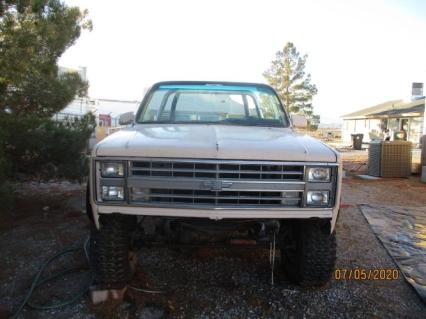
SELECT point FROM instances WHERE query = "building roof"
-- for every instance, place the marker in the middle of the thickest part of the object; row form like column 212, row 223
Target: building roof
column 389, row 108
column 414, row 109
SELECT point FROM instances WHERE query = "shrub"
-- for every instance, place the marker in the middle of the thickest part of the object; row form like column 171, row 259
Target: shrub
column 44, row 149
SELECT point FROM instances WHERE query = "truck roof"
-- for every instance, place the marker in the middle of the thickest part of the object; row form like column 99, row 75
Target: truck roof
column 212, row 83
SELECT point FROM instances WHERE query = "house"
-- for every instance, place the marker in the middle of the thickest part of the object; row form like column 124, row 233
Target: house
column 106, row 111
column 396, row 115
column 113, row 108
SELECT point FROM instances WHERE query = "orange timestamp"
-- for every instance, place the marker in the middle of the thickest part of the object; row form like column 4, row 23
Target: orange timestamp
column 366, row 274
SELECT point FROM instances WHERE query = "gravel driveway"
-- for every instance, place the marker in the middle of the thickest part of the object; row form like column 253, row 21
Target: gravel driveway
column 206, row 282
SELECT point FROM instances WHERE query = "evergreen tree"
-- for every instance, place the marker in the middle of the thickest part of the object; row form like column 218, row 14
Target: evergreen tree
column 33, row 36
column 288, row 77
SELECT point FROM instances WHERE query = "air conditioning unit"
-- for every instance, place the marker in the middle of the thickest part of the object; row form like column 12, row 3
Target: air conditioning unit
column 389, row 159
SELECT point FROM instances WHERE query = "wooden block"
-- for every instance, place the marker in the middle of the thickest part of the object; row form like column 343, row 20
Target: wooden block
column 99, row 296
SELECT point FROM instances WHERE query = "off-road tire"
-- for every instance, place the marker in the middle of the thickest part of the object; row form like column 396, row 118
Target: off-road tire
column 311, row 258
column 109, row 251
column 89, row 211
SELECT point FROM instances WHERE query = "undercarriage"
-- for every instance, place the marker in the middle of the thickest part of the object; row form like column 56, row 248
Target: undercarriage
column 197, row 231
column 305, row 249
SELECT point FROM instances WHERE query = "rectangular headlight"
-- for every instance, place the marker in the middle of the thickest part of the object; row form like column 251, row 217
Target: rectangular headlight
column 112, row 169
column 112, row 193
column 317, row 198
column 319, row 174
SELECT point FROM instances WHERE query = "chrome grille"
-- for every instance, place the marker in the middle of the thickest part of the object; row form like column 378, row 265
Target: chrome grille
column 188, row 169
column 215, row 183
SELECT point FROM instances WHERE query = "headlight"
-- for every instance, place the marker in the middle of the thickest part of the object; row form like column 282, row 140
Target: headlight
column 112, row 169
column 112, row 193
column 317, row 198
column 319, row 174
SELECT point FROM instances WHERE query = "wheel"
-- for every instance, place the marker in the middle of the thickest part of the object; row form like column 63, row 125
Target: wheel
column 308, row 252
column 109, row 251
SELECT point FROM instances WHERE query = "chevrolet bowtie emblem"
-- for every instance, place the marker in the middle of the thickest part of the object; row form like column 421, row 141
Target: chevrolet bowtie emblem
column 216, row 185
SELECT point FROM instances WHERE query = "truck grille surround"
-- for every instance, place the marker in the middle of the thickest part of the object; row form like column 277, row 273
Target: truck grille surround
column 215, row 183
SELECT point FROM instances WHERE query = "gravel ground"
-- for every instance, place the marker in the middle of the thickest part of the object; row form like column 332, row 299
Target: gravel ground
column 206, row 282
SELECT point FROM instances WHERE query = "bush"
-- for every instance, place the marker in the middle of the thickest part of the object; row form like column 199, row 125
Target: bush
column 44, row 149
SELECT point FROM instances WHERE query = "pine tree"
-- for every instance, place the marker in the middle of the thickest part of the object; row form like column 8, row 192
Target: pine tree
column 288, row 77
column 33, row 36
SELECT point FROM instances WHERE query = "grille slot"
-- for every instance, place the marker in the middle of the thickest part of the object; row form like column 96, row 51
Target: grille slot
column 204, row 170
column 216, row 198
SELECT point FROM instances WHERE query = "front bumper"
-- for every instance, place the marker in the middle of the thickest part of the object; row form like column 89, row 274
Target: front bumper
column 217, row 213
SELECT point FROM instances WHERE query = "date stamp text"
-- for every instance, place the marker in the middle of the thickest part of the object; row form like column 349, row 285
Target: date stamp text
column 366, row 274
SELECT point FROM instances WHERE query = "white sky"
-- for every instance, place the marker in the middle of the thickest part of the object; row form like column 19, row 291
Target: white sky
column 360, row 52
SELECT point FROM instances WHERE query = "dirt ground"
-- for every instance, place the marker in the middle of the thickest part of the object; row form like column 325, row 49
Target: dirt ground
column 205, row 283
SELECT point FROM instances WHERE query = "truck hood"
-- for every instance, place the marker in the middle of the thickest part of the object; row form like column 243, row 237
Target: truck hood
column 214, row 142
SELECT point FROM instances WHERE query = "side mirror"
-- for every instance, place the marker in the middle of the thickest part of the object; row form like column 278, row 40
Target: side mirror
column 299, row 121
column 126, row 118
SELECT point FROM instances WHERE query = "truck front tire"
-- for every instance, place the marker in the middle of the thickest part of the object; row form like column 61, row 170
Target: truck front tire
column 109, row 250
column 308, row 252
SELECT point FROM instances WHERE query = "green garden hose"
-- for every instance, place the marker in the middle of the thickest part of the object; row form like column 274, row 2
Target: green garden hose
column 37, row 281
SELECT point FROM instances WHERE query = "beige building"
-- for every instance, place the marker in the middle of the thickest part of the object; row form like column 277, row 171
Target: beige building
column 394, row 115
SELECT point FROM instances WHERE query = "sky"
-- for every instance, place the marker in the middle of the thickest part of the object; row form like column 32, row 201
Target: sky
column 360, row 53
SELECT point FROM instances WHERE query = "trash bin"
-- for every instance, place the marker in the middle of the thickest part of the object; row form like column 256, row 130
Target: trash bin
column 357, row 141
column 423, row 176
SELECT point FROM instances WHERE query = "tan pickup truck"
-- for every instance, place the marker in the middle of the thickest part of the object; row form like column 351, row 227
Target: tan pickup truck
column 210, row 163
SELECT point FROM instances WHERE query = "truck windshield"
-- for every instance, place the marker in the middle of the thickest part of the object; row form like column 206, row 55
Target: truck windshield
column 213, row 104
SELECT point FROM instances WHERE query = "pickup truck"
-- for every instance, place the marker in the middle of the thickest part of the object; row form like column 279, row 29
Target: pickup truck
column 213, row 163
